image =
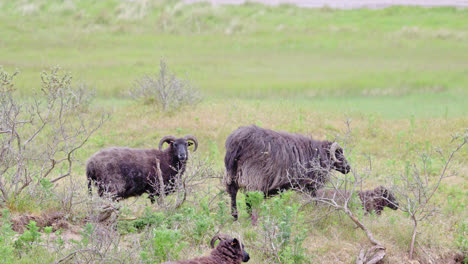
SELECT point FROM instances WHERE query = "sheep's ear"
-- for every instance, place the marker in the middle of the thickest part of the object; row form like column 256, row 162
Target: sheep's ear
column 384, row 191
column 235, row 242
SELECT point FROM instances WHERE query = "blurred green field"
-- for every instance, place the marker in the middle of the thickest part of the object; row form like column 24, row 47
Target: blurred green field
column 243, row 51
column 399, row 74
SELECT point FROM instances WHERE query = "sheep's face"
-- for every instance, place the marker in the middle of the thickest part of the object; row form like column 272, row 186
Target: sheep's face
column 341, row 164
column 239, row 249
column 179, row 147
column 389, row 199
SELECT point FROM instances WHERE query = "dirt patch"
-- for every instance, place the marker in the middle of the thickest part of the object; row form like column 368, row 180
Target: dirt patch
column 55, row 219
column 453, row 258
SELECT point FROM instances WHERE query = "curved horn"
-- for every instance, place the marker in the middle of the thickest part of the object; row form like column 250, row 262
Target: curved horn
column 164, row 140
column 333, row 149
column 194, row 139
column 221, row 237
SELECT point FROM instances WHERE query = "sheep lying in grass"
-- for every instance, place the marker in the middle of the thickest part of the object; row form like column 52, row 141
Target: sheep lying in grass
column 371, row 200
column 126, row 172
column 228, row 251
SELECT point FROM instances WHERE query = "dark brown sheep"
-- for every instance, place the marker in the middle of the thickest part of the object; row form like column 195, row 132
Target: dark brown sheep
column 259, row 159
column 371, row 200
column 377, row 199
column 126, row 172
column 228, row 251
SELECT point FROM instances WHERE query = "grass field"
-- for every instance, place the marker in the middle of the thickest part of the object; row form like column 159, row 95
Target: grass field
column 399, row 74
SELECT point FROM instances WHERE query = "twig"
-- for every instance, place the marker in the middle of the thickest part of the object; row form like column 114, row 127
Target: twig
column 162, row 193
column 74, row 253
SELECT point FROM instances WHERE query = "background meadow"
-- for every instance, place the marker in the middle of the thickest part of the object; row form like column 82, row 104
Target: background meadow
column 397, row 75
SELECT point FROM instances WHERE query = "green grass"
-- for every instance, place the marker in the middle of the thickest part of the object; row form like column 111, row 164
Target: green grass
column 399, row 74
column 274, row 51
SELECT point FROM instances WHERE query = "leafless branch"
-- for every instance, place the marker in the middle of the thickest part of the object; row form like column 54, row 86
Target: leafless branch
column 72, row 254
column 417, row 189
column 39, row 134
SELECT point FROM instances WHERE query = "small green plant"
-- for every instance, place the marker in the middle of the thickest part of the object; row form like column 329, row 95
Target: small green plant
column 255, row 199
column 164, row 244
column 461, row 239
column 87, row 234
column 222, row 213
column 31, row 235
column 202, row 225
column 294, row 252
column 283, row 229
column 6, row 238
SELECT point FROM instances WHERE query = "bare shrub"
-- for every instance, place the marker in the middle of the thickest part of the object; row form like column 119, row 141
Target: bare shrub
column 198, row 172
column 39, row 136
column 414, row 189
column 344, row 187
column 165, row 90
column 420, row 181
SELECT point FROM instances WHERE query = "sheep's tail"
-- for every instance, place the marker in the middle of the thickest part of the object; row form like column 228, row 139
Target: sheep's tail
column 233, row 152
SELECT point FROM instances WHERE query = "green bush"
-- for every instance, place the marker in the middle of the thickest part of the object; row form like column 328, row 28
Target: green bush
column 27, row 239
column 164, row 244
column 6, row 239
column 284, row 228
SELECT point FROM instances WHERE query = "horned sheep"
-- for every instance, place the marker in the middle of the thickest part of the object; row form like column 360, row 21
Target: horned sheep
column 259, row 159
column 229, row 251
column 371, row 200
column 126, row 172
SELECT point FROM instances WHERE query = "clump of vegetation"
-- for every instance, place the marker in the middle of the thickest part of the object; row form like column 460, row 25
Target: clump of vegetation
column 421, row 180
column 167, row 91
column 6, row 238
column 281, row 228
column 39, row 137
column 164, row 244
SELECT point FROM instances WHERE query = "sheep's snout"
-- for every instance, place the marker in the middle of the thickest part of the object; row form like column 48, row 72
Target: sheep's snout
column 393, row 205
column 245, row 256
column 182, row 157
column 181, row 150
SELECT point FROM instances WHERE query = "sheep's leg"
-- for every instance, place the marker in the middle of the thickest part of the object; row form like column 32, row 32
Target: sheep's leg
column 232, row 189
column 90, row 190
column 151, row 197
column 248, row 204
column 100, row 190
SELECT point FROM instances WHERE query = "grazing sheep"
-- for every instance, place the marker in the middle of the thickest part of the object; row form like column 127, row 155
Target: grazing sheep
column 126, row 172
column 228, row 251
column 371, row 200
column 259, row 159
column 377, row 199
